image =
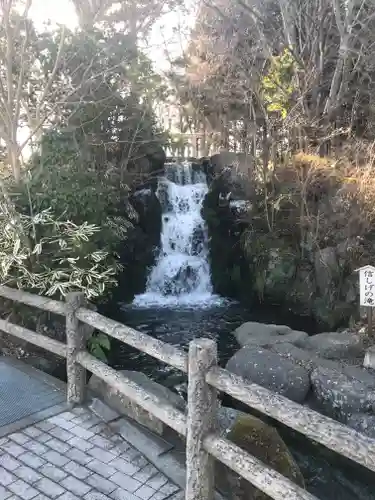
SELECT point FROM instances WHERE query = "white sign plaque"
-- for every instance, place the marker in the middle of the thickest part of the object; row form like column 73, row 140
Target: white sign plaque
column 367, row 286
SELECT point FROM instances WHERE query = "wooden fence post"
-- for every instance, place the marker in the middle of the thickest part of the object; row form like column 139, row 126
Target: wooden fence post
column 202, row 408
column 76, row 341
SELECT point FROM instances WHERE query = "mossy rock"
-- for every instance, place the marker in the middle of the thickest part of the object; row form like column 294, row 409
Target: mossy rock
column 260, row 440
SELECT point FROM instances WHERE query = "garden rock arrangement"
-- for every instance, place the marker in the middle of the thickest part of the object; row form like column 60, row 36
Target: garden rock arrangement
column 318, row 370
column 270, row 370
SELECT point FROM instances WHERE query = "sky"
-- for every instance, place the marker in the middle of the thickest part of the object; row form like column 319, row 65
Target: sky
column 168, row 38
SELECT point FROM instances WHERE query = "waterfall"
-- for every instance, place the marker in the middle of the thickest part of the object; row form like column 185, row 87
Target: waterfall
column 181, row 275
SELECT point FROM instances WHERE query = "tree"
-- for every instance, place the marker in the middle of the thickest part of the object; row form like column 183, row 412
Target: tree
column 330, row 46
column 86, row 97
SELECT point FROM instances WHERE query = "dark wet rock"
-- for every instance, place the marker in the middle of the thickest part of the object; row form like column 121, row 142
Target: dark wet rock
column 252, row 333
column 270, row 370
column 363, row 422
column 335, row 345
column 341, row 395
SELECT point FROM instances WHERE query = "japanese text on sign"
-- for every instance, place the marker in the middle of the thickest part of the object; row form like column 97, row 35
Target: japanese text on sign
column 367, row 286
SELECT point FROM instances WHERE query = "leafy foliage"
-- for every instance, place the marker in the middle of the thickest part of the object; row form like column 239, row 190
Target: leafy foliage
column 87, row 99
column 98, row 345
column 52, row 257
column 277, row 84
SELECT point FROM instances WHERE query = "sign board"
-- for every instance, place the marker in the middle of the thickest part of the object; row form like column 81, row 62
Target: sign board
column 367, row 286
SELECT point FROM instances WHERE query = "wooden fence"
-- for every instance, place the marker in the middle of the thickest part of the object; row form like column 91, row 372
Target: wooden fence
column 206, row 378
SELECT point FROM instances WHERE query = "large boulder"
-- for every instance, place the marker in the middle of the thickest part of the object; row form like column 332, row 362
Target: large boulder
column 334, row 345
column 260, row 440
column 126, row 406
column 252, row 333
column 270, row 370
column 341, row 395
column 363, row 422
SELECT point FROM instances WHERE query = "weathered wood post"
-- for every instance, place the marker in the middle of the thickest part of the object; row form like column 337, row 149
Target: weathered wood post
column 202, row 407
column 76, row 341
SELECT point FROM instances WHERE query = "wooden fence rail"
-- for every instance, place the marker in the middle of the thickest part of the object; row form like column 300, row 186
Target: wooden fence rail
column 205, row 379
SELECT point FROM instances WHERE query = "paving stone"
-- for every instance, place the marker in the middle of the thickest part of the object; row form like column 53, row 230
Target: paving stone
column 101, row 484
column 73, row 456
column 79, row 410
column 77, row 470
column 84, row 417
column 6, row 477
column 67, row 415
column 100, row 468
column 4, row 494
column 45, row 425
column 68, row 496
column 102, row 442
column 126, row 482
column 78, row 456
column 58, row 445
column 32, row 460
column 132, row 454
column 79, row 443
column 33, row 432
column 94, row 495
column 53, row 472
column 62, row 434
column 140, row 462
column 23, row 490
column 56, row 458
column 75, row 485
column 159, row 496
column 156, row 482
column 145, row 492
column 124, row 466
column 9, row 462
column 27, row 474
column 49, row 488
column 13, row 449
column 35, row 447
column 19, row 438
column 81, row 432
column 43, row 437
column 146, row 473
column 99, row 428
column 169, row 489
column 62, row 422
column 120, row 494
column 102, row 455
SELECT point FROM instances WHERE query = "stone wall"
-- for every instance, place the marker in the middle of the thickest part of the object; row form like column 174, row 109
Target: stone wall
column 250, row 261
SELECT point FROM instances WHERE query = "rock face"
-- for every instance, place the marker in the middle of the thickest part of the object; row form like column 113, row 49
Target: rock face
column 270, row 370
column 364, row 423
column 252, row 333
column 261, row 441
column 326, row 267
column 126, row 406
column 334, row 345
column 138, row 255
column 341, row 395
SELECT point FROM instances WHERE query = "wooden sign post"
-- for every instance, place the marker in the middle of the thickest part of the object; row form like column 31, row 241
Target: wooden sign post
column 367, row 292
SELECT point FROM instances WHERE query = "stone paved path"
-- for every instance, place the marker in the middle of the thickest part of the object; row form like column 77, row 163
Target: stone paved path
column 75, row 456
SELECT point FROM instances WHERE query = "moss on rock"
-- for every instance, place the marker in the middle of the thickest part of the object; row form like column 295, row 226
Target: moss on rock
column 260, row 440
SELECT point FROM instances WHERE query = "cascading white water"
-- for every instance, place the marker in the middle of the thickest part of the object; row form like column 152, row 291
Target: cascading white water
column 181, row 275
